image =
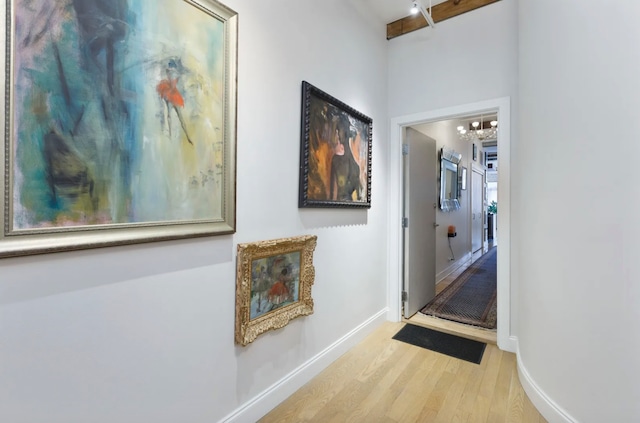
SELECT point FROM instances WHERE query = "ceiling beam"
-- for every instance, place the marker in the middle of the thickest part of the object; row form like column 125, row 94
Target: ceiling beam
column 439, row 13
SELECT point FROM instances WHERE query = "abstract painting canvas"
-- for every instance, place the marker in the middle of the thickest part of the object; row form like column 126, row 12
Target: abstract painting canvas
column 335, row 153
column 121, row 123
column 273, row 285
column 274, row 282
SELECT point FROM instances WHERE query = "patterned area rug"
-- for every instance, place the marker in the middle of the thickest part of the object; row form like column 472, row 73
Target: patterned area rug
column 471, row 298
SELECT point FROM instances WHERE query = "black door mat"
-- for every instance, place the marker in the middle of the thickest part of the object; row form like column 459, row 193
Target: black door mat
column 444, row 343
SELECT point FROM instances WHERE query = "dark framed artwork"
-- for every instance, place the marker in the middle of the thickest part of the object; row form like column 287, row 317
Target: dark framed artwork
column 475, row 152
column 120, row 123
column 335, row 152
column 273, row 284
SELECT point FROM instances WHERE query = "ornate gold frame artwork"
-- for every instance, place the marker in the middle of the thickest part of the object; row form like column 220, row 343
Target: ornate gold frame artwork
column 273, row 284
column 120, row 123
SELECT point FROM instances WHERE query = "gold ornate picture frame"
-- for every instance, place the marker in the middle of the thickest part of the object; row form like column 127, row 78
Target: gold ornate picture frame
column 273, row 284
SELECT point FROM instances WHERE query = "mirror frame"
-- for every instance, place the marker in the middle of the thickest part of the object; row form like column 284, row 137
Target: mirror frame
column 451, row 156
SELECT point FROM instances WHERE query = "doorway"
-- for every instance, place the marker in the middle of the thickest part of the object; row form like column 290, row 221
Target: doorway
column 502, row 106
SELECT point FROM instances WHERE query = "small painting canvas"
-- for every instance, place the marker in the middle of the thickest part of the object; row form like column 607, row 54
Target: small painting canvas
column 275, row 282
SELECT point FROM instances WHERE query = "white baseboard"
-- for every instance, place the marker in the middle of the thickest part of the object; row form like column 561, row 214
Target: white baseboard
column 264, row 402
column 509, row 343
column 452, row 267
column 545, row 405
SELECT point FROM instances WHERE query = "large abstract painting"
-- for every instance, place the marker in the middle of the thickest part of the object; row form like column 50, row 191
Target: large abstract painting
column 335, row 153
column 121, row 123
column 273, row 285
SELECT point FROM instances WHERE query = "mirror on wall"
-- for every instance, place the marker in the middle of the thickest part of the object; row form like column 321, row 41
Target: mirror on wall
column 449, row 190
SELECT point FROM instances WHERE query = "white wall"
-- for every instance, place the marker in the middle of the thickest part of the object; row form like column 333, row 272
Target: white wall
column 144, row 333
column 469, row 58
column 579, row 333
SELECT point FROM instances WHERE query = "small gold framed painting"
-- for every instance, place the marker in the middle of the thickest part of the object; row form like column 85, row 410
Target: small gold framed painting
column 273, row 284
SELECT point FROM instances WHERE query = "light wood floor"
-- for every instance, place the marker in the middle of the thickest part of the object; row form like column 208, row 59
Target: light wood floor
column 384, row 380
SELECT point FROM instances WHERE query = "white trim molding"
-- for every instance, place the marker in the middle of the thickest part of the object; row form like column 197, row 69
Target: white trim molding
column 511, row 344
column 452, row 267
column 267, row 400
column 545, row 405
column 394, row 278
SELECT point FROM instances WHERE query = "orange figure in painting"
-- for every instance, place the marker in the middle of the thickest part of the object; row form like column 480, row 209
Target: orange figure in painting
column 168, row 91
column 279, row 292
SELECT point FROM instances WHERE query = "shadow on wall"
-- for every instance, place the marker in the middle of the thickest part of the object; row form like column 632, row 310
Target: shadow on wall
column 31, row 277
column 317, row 218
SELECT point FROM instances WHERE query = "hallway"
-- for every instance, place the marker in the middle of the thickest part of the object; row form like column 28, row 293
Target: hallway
column 448, row 326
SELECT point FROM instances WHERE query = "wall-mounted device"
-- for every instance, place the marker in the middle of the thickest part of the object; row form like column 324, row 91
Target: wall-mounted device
column 416, row 6
column 451, row 232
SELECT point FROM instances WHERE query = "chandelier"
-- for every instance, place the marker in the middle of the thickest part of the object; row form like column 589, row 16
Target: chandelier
column 479, row 130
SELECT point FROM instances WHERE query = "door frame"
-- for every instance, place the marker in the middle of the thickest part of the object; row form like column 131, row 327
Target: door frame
column 480, row 171
column 506, row 340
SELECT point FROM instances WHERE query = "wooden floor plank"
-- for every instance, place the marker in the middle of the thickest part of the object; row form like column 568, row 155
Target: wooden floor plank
column 386, row 402
column 408, row 406
column 499, row 400
column 528, row 414
column 480, row 413
column 380, row 360
column 490, row 376
column 460, row 417
column 471, row 389
column 350, row 396
column 450, row 406
column 439, row 393
column 515, row 404
column 380, row 391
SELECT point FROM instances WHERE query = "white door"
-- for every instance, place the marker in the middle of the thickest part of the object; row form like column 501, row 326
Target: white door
column 477, row 201
column 420, row 164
